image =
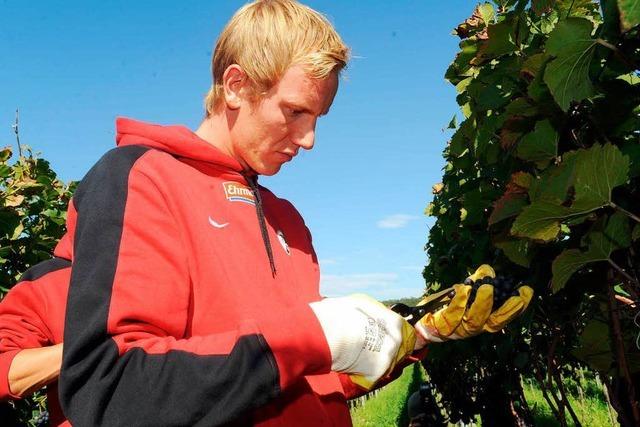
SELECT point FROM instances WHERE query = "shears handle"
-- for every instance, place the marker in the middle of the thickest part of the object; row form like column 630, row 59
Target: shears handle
column 432, row 303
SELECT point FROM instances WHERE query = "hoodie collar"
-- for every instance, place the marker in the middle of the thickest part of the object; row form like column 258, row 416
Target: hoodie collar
column 177, row 140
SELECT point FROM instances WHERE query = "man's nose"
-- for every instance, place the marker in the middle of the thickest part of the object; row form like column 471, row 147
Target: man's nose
column 306, row 136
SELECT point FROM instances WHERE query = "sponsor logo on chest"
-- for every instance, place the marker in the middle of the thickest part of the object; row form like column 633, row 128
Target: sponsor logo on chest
column 235, row 192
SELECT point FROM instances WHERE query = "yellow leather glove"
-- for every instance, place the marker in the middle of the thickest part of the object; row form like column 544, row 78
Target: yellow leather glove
column 461, row 320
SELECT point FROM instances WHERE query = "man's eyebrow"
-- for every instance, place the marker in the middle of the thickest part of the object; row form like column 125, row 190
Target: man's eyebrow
column 296, row 106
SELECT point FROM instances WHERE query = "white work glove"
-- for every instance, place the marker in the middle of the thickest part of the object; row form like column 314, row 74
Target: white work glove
column 366, row 339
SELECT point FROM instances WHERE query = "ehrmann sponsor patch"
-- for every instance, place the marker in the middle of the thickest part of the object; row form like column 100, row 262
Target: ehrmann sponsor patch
column 238, row 193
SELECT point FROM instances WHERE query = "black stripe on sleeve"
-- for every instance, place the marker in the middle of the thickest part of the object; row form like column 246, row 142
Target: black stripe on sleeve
column 43, row 268
column 97, row 387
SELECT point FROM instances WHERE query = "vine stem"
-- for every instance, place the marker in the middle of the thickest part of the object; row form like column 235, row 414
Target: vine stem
column 17, row 131
column 563, row 396
column 619, row 344
column 626, row 276
column 545, row 394
column 624, row 211
column 616, row 52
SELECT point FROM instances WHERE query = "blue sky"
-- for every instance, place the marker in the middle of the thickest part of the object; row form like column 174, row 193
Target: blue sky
column 71, row 67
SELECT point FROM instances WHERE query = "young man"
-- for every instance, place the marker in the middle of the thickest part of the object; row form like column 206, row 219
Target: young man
column 194, row 291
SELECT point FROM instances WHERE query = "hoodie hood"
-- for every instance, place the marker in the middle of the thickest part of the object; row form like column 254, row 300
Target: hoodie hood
column 182, row 142
column 176, row 140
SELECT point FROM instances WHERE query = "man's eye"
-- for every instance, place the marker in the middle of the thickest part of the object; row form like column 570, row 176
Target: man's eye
column 295, row 113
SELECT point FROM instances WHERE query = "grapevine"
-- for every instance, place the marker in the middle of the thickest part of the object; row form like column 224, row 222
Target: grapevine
column 541, row 181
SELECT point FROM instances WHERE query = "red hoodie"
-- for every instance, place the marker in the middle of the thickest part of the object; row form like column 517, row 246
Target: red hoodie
column 176, row 315
column 32, row 316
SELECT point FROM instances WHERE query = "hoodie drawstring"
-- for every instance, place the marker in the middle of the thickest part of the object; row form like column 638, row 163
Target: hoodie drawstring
column 253, row 184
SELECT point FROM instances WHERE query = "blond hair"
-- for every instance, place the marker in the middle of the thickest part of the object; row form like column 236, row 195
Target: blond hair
column 266, row 37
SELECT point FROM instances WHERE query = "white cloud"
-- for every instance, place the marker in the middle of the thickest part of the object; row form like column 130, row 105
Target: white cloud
column 396, row 221
column 327, row 261
column 412, row 267
column 332, row 285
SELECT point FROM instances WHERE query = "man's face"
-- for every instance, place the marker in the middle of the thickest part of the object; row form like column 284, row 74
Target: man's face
column 270, row 130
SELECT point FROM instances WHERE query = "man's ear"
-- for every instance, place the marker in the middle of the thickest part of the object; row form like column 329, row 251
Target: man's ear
column 234, row 81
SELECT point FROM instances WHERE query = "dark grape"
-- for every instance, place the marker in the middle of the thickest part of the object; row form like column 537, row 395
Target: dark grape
column 42, row 420
column 503, row 288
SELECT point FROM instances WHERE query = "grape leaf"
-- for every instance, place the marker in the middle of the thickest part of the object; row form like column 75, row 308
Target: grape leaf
column 595, row 346
column 522, row 179
column 521, row 107
column 629, row 13
column 509, row 205
column 500, row 41
column 513, row 129
column 555, row 183
column 540, row 221
column 533, row 64
column 632, row 150
column 601, row 244
column 517, row 250
column 542, row 6
column 540, row 145
column 5, row 154
column 513, row 199
column 598, row 170
column 567, row 76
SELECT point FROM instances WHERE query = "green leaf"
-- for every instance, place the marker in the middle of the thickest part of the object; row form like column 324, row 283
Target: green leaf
column 17, row 231
column 500, row 41
column 600, row 246
column 521, row 107
column 599, row 169
column 473, row 205
column 555, row 183
column 453, row 123
column 514, row 198
column 487, row 12
column 5, row 154
column 509, row 205
column 513, row 129
column 629, row 13
column 540, row 145
column 460, row 140
column 567, row 76
column 636, row 233
column 542, row 6
column 540, row 221
column 631, row 149
column 517, row 250
column 595, row 346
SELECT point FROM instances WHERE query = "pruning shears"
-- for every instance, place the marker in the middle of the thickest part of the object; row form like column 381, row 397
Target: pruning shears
column 430, row 304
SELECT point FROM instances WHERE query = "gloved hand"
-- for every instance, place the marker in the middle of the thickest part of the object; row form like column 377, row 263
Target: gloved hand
column 366, row 339
column 461, row 320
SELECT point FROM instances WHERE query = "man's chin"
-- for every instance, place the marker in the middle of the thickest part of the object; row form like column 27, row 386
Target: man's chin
column 268, row 170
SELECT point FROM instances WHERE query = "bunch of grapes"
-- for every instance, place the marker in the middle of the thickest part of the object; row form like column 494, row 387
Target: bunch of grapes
column 42, row 420
column 503, row 288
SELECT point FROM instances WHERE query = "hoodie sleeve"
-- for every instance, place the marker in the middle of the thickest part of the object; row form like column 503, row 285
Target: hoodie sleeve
column 128, row 357
column 24, row 321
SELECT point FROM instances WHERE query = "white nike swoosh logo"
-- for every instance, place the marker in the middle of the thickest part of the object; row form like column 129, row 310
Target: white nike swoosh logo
column 216, row 224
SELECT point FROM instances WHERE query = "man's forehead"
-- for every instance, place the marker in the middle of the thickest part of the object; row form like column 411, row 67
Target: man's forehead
column 298, row 88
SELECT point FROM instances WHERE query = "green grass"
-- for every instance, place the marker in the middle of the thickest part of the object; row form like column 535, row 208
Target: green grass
column 592, row 411
column 388, row 408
